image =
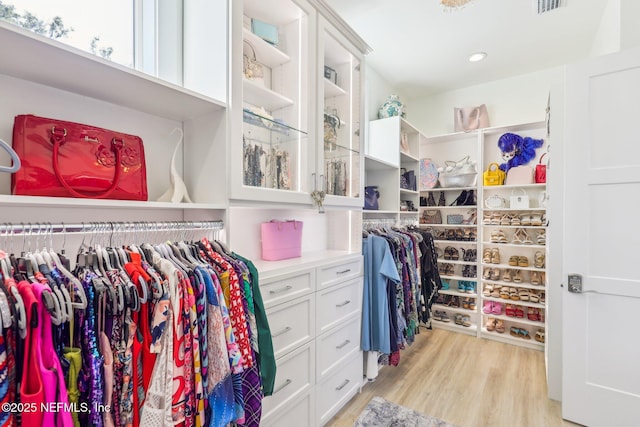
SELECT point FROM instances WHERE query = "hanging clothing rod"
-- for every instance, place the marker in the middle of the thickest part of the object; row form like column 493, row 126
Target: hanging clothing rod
column 9, row 229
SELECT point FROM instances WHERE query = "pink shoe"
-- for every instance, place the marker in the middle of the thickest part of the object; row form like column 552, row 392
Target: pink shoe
column 488, row 307
column 496, row 308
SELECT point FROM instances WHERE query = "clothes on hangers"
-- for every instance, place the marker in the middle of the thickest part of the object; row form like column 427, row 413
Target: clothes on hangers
column 393, row 302
column 171, row 334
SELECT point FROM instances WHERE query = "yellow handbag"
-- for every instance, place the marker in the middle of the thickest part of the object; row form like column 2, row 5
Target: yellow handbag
column 493, row 175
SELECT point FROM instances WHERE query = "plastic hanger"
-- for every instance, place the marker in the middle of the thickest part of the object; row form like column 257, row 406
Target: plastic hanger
column 14, row 158
column 77, row 288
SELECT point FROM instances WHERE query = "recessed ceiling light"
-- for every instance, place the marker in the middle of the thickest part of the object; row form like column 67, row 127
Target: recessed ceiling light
column 478, row 56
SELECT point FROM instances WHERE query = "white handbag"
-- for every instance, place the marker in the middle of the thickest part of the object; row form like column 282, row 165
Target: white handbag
column 495, row 202
column 519, row 201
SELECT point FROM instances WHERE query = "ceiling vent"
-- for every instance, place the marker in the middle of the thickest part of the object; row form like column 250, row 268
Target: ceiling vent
column 549, row 5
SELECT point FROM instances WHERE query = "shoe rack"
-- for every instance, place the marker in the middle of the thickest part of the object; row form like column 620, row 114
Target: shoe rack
column 455, row 231
column 513, row 253
column 508, row 299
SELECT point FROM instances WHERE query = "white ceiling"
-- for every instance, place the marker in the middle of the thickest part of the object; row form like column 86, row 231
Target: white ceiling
column 421, row 49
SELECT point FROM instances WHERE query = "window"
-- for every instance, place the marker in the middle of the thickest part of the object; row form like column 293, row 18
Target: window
column 123, row 31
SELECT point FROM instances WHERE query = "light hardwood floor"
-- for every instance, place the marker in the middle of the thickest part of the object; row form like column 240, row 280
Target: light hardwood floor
column 465, row 381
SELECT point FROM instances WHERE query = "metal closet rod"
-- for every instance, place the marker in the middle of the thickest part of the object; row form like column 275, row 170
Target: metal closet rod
column 107, row 226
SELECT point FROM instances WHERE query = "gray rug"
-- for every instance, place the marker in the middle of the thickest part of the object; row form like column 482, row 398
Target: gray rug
column 382, row 413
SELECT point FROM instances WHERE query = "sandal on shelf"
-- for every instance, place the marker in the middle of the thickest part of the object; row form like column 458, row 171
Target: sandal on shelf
column 486, row 275
column 523, row 261
column 540, row 335
column 466, row 321
column 500, row 326
column 514, row 331
column 494, row 237
column 495, row 256
column 532, row 314
column 465, row 304
column 513, row 261
column 515, row 220
column 488, row 307
column 525, row 219
column 542, row 297
column 513, row 294
column 534, row 297
column 504, row 293
column 505, row 220
column 496, row 308
column 472, row 304
column 486, row 218
column 486, row 255
column 445, row 316
column 491, row 324
column 538, row 260
column 506, row 275
column 510, row 310
column 524, row 294
column 496, row 291
column 535, row 278
column 437, row 316
column 517, row 276
column 519, row 312
column 458, row 319
column 536, row 220
column 486, row 291
column 495, row 218
column 444, row 284
column 541, row 239
column 523, row 333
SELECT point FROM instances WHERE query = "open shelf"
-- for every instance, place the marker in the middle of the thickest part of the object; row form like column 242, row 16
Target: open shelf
column 448, row 189
column 256, row 94
column 266, row 53
column 332, row 90
column 38, row 201
column 30, row 56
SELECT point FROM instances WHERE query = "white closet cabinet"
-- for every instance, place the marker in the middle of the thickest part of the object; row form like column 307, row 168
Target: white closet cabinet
column 393, row 148
column 340, row 157
column 314, row 311
column 277, row 150
column 47, row 78
column 508, row 291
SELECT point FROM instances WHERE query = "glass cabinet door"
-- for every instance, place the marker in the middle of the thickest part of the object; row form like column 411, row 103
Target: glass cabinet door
column 276, row 96
column 341, row 89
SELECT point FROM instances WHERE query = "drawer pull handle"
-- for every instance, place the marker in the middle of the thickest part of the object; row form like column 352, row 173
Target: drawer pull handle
column 282, row 332
column 343, row 344
column 343, row 271
column 277, row 291
column 279, row 389
column 344, row 303
column 343, row 385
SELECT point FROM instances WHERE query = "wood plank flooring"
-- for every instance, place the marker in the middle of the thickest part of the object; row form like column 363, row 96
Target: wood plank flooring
column 466, row 381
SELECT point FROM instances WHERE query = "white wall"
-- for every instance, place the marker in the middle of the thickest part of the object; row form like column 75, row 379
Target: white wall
column 618, row 28
column 377, row 91
column 518, row 99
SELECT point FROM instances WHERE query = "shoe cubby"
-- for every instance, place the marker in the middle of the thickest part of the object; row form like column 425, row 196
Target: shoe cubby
column 505, row 224
column 513, row 249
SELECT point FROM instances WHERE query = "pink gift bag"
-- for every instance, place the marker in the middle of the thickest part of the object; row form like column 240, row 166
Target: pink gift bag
column 281, row 239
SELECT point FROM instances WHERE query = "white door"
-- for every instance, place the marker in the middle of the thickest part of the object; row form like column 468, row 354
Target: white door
column 601, row 335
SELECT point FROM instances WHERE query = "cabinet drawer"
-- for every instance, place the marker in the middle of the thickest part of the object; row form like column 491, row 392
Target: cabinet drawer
column 338, row 303
column 279, row 289
column 292, row 324
column 294, row 376
column 336, row 273
column 335, row 346
column 298, row 413
column 337, row 389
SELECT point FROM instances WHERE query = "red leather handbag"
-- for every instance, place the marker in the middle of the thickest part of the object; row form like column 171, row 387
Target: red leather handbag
column 66, row 159
column 541, row 171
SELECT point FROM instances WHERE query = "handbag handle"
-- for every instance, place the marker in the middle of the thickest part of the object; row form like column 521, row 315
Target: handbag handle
column 494, row 164
column 58, row 137
column 541, row 157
